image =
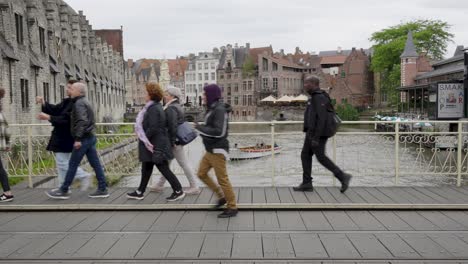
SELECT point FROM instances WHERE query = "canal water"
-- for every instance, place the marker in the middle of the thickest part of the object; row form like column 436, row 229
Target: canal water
column 370, row 158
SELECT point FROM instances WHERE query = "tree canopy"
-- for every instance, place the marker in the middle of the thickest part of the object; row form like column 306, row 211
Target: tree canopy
column 430, row 37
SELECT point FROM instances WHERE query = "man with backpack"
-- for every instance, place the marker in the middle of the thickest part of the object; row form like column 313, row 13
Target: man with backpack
column 320, row 123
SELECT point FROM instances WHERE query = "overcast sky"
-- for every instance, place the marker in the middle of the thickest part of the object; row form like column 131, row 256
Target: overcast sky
column 165, row 29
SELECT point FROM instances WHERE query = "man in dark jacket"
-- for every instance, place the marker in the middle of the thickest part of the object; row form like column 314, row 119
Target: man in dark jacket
column 61, row 141
column 214, row 134
column 83, row 128
column 316, row 120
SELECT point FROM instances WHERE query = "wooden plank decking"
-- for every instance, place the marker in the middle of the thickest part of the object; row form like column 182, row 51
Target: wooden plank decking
column 257, row 198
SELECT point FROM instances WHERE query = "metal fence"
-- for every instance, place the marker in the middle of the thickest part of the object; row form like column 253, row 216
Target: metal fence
column 377, row 153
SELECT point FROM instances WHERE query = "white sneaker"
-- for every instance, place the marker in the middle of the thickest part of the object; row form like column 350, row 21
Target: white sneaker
column 85, row 183
column 156, row 188
column 192, row 191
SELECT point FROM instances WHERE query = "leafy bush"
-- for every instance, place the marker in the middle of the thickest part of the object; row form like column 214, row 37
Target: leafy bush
column 347, row 112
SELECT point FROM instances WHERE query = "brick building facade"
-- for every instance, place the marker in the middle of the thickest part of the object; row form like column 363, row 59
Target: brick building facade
column 44, row 43
column 239, row 87
column 347, row 76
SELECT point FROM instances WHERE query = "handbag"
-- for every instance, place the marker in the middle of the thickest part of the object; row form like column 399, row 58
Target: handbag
column 185, row 134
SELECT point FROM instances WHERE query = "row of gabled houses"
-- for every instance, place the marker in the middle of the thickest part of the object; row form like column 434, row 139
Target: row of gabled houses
column 249, row 74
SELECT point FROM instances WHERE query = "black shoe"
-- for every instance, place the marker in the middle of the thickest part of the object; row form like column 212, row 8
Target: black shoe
column 6, row 198
column 304, row 187
column 221, row 203
column 175, row 196
column 99, row 194
column 58, row 194
column 135, row 195
column 345, row 182
column 228, row 213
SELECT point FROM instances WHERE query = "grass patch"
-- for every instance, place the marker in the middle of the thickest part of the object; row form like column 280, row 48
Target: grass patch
column 16, row 180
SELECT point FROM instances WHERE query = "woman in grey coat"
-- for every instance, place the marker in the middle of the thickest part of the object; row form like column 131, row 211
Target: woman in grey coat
column 154, row 148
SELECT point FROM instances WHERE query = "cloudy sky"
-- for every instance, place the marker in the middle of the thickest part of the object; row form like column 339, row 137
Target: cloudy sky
column 165, row 29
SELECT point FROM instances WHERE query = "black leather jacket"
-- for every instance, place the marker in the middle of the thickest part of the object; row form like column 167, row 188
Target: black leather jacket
column 83, row 123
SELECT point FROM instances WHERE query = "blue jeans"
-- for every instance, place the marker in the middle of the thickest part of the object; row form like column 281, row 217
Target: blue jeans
column 62, row 160
column 88, row 148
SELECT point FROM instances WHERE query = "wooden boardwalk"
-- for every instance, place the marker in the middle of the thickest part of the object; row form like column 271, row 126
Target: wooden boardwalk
column 257, row 198
column 291, row 227
column 252, row 237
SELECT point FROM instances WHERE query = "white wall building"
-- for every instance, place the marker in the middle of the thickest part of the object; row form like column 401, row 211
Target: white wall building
column 201, row 70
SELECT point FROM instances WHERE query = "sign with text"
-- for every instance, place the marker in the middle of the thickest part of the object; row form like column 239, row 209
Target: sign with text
column 450, row 101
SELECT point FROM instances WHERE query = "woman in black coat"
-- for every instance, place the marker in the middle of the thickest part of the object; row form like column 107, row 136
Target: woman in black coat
column 154, row 148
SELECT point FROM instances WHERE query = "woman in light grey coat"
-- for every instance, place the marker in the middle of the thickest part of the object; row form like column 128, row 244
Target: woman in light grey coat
column 175, row 116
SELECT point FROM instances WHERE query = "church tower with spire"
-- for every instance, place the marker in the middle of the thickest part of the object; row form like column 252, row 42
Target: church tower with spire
column 409, row 62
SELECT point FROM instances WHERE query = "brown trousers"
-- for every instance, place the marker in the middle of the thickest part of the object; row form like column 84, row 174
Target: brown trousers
column 218, row 162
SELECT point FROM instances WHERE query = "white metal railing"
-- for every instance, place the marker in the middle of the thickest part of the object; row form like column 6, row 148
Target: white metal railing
column 375, row 152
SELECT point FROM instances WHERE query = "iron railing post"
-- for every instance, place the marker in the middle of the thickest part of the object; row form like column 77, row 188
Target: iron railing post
column 273, row 153
column 397, row 152
column 334, row 158
column 30, row 157
column 459, row 153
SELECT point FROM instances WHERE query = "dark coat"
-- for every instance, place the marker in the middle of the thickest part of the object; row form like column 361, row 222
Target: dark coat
column 175, row 116
column 83, row 123
column 155, row 127
column 317, row 118
column 215, row 130
column 61, row 139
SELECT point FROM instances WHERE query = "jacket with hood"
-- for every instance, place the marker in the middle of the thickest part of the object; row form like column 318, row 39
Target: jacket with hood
column 61, row 139
column 215, row 130
column 175, row 116
column 317, row 118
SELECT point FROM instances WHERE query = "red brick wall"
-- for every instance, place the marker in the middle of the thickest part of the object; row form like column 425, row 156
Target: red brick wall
column 113, row 37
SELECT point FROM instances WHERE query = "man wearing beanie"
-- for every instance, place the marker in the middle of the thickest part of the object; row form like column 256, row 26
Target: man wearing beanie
column 214, row 133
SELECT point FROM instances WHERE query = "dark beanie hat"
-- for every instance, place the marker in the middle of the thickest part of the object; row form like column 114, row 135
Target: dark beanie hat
column 212, row 93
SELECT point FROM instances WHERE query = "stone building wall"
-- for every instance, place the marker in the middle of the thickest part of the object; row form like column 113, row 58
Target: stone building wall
column 69, row 50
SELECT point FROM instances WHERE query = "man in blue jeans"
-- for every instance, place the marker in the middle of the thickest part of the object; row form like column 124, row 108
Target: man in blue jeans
column 83, row 128
column 61, row 141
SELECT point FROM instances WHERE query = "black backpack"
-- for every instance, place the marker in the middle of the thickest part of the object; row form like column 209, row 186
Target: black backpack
column 333, row 120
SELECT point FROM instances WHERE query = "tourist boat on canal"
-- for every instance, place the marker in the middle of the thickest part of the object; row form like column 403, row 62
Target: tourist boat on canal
column 253, row 152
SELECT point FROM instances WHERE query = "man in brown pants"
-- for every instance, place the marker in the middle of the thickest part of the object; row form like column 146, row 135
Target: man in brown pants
column 214, row 133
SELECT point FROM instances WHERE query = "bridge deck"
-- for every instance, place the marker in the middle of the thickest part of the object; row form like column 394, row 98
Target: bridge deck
column 258, row 198
column 117, row 230
column 253, row 237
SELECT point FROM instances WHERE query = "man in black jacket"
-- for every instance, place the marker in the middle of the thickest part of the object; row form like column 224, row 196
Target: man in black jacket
column 83, row 128
column 317, row 133
column 61, row 141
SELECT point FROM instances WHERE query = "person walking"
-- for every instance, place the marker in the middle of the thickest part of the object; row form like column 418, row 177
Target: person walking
column 154, row 148
column 61, row 140
column 318, row 131
column 7, row 195
column 175, row 117
column 214, row 134
column 83, row 129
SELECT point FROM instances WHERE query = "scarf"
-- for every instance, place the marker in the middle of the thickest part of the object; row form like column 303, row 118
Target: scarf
column 169, row 103
column 139, row 127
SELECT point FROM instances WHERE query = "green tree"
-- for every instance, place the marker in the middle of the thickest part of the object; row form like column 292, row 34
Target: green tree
column 430, row 37
column 248, row 69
